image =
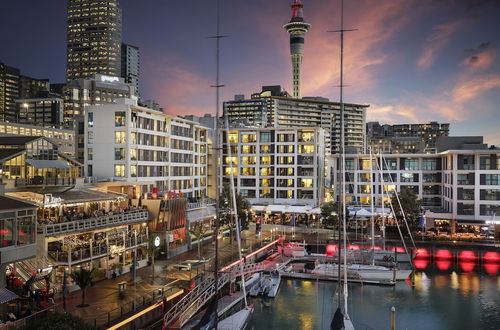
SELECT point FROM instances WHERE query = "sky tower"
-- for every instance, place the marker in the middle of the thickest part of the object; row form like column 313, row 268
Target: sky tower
column 297, row 29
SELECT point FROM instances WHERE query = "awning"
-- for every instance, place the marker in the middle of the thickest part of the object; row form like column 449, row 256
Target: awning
column 299, row 209
column 7, row 295
column 39, row 163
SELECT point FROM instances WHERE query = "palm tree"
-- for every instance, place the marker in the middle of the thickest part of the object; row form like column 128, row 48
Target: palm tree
column 151, row 250
column 198, row 230
column 83, row 278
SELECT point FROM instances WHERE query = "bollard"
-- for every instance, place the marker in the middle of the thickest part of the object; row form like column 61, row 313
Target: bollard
column 393, row 318
column 121, row 311
column 109, row 318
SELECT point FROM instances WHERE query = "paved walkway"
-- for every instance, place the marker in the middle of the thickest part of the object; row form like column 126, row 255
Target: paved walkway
column 103, row 297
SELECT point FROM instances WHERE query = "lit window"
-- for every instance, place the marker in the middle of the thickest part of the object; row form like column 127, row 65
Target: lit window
column 120, row 137
column 119, row 170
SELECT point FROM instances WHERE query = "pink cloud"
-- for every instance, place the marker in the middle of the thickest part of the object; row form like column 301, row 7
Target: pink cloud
column 473, row 87
column 479, row 62
column 436, row 42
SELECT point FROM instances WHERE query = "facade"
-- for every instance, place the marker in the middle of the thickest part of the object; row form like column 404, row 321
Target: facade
column 279, row 111
column 93, row 38
column 40, row 111
column 65, row 139
column 145, row 148
column 17, row 233
column 99, row 89
column 405, row 138
column 130, row 65
column 297, row 28
column 276, row 165
column 455, row 186
column 14, row 86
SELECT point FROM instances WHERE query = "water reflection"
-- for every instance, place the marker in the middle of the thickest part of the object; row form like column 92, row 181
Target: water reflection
column 444, row 296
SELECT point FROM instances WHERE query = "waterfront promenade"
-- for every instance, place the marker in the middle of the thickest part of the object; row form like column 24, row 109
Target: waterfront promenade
column 103, row 297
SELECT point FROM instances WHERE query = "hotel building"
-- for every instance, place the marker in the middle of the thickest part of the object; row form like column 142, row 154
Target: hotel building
column 145, row 149
column 455, row 186
column 283, row 166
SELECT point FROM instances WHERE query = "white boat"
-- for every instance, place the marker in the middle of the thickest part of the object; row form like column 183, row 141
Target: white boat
column 256, row 289
column 390, row 256
column 252, row 280
column 275, row 284
column 364, row 272
column 237, row 321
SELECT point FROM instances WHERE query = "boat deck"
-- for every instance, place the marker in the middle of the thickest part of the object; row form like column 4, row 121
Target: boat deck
column 309, row 276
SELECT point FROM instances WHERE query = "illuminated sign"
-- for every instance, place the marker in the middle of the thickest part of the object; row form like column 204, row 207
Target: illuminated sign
column 157, row 241
column 109, row 79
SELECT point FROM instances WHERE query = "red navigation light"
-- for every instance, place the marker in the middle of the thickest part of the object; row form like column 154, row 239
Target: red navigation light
column 467, row 266
column 330, row 250
column 491, row 257
column 443, row 254
column 491, row 269
column 467, row 255
column 422, row 254
column 421, row 263
column 353, row 247
column 443, row 264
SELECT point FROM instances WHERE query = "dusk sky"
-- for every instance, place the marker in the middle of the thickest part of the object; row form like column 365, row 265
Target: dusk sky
column 412, row 60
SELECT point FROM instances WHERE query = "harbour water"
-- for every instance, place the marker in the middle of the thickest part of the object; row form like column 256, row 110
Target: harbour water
column 464, row 296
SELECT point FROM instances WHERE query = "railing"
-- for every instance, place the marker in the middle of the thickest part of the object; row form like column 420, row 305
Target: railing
column 45, row 181
column 94, row 223
column 200, row 204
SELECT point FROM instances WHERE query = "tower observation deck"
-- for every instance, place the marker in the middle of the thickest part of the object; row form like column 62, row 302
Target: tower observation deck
column 297, row 28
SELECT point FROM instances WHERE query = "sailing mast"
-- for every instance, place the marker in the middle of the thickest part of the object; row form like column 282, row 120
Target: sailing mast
column 372, row 208
column 218, row 157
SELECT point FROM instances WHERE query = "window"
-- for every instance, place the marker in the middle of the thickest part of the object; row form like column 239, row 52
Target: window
column 249, row 160
column 120, row 118
column 133, row 154
column 89, row 170
column 489, row 162
column 468, row 194
column 266, row 171
column 306, row 183
column 26, row 230
column 90, row 137
column 285, row 194
column 364, row 164
column 248, row 138
column 133, row 171
column 465, row 209
column 349, row 164
column 90, row 119
column 228, row 170
column 231, row 160
column 307, row 149
column 490, row 195
column 7, row 229
column 409, row 177
column 247, row 171
column 120, row 137
column 266, row 193
column 489, row 210
column 90, row 153
column 465, row 179
column 286, row 171
column 410, row 164
column 466, row 162
column 429, row 164
column 266, row 160
column 119, row 170
column 490, row 179
column 266, row 149
column 390, row 164
column 266, row 182
column 266, row 137
column 248, row 149
column 119, row 153
column 286, row 149
column 306, row 136
column 233, row 137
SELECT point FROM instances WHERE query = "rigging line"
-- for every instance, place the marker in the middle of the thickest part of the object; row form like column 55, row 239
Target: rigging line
column 404, row 217
column 397, row 223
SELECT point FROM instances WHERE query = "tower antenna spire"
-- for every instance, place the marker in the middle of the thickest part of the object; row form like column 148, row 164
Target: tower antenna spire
column 297, row 28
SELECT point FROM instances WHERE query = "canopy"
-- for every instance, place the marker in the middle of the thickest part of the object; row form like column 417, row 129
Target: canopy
column 362, row 213
column 39, row 163
column 7, row 295
column 299, row 209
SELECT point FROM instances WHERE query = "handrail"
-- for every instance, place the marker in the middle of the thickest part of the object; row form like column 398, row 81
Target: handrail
column 94, row 223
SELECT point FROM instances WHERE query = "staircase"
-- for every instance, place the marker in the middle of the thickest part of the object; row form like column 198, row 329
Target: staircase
column 191, row 303
column 27, row 268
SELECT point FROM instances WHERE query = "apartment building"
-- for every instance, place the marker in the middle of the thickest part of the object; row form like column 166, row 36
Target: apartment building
column 455, row 186
column 275, row 165
column 273, row 108
column 145, row 149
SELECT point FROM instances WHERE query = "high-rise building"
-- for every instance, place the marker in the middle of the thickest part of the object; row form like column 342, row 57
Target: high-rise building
column 269, row 110
column 93, row 38
column 15, row 86
column 131, row 65
column 297, row 29
column 405, row 138
column 40, row 111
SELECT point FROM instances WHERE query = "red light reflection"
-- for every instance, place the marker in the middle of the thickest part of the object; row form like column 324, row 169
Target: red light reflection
column 421, row 264
column 491, row 257
column 467, row 266
column 467, row 255
column 443, row 254
column 422, row 254
column 353, row 247
column 443, row 264
column 330, row 250
column 491, row 269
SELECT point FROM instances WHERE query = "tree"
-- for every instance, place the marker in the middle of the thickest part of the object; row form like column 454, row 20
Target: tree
column 330, row 214
column 198, row 230
column 151, row 250
column 58, row 321
column 226, row 210
column 83, row 278
column 412, row 206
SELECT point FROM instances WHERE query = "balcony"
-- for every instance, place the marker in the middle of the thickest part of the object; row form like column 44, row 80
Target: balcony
column 99, row 251
column 55, row 229
column 200, row 204
column 47, row 184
